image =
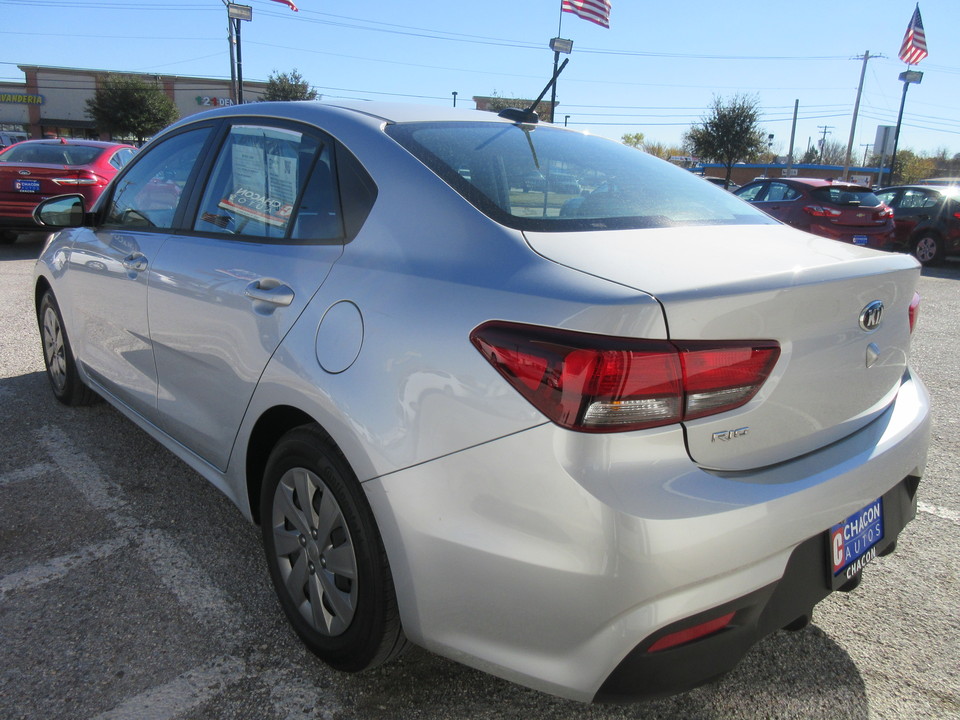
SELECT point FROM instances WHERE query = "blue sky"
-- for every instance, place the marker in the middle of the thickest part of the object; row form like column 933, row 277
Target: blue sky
column 655, row 71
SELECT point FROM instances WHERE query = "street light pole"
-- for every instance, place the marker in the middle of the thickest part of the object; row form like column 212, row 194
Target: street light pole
column 233, row 62
column 558, row 45
column 910, row 76
column 236, row 13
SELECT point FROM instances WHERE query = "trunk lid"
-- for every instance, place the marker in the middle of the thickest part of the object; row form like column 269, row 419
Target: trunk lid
column 768, row 283
column 25, row 183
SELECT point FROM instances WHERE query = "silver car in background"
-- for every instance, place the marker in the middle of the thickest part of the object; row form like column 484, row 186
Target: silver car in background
column 596, row 436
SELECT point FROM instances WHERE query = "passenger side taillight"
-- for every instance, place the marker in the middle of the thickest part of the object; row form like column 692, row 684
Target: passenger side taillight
column 914, row 310
column 596, row 383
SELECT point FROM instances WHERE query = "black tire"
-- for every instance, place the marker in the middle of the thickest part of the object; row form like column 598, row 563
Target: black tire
column 327, row 563
column 58, row 359
column 927, row 248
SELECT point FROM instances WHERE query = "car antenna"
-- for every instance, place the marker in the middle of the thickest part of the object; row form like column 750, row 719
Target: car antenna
column 528, row 115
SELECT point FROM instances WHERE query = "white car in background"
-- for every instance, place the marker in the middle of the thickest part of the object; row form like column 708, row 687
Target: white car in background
column 600, row 450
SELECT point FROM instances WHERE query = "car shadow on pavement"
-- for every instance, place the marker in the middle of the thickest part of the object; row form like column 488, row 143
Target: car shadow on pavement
column 25, row 248
column 788, row 675
column 949, row 270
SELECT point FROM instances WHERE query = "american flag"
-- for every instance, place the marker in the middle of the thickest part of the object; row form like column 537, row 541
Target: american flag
column 914, row 48
column 289, row 4
column 596, row 11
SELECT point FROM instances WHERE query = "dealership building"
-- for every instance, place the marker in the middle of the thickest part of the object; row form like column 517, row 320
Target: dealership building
column 53, row 100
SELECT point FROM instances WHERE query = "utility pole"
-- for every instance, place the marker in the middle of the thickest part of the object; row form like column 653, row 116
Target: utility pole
column 856, row 111
column 825, row 129
column 793, row 134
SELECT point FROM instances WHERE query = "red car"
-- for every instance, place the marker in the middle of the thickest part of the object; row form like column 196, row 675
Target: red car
column 927, row 219
column 34, row 170
column 834, row 209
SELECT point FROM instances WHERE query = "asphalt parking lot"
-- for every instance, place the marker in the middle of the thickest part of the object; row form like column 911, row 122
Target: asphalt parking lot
column 130, row 588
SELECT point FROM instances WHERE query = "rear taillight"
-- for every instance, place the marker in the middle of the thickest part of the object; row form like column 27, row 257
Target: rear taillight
column 80, row 178
column 914, row 310
column 820, row 211
column 884, row 212
column 595, row 383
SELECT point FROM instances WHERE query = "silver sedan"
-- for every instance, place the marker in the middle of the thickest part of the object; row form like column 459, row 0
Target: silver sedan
column 597, row 437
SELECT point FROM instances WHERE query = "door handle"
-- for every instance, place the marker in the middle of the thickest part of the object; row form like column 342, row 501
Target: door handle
column 136, row 262
column 270, row 291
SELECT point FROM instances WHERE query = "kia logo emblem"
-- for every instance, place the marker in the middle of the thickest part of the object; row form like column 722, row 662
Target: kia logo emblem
column 871, row 316
column 24, row 172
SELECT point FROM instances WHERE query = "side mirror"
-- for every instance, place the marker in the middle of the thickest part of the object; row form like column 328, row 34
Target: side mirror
column 62, row 211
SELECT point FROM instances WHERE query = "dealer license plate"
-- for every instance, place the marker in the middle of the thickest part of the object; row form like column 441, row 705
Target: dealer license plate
column 26, row 185
column 859, row 239
column 853, row 542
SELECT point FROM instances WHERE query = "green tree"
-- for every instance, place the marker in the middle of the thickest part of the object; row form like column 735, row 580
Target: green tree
column 126, row 106
column 497, row 102
column 664, row 152
column 281, row 86
column 832, row 152
column 633, row 140
column 729, row 133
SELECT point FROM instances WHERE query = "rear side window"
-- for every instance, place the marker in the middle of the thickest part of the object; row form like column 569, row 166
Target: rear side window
column 272, row 182
column 780, row 192
column 918, row 199
column 148, row 194
column 546, row 179
column 849, row 195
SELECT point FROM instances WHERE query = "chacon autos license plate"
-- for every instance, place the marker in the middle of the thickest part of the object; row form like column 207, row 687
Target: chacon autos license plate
column 26, row 185
column 853, row 543
column 859, row 239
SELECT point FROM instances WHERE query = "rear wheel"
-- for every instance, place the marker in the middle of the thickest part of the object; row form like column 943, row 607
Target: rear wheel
column 65, row 382
column 927, row 249
column 325, row 554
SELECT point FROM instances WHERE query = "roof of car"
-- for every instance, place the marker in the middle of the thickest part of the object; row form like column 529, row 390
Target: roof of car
column 380, row 111
column 922, row 186
column 73, row 141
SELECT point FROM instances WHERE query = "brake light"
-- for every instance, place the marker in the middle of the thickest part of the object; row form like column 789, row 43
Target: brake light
column 884, row 212
column 81, row 178
column 820, row 211
column 600, row 384
column 914, row 310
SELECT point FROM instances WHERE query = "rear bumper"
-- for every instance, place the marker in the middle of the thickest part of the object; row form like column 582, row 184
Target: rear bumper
column 556, row 559
column 19, row 215
column 789, row 601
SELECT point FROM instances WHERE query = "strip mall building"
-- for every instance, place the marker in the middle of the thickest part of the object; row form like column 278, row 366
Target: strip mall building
column 53, row 100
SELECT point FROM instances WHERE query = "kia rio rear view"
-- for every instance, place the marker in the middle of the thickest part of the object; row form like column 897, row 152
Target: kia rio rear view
column 597, row 434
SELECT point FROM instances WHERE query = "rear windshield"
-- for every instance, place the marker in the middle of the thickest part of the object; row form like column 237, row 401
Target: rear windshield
column 846, row 196
column 53, row 154
column 543, row 178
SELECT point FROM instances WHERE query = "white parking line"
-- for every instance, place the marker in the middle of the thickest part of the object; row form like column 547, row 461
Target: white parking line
column 28, row 473
column 182, row 694
column 940, row 512
column 176, row 570
column 43, row 573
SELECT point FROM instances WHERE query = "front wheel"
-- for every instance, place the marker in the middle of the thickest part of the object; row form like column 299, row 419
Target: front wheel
column 65, row 382
column 325, row 554
column 927, row 249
